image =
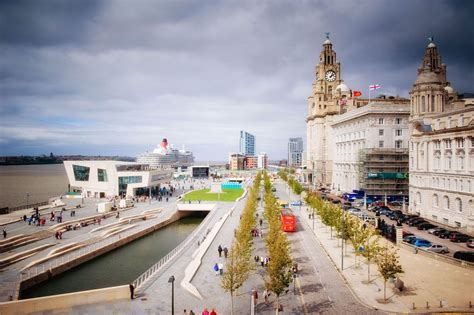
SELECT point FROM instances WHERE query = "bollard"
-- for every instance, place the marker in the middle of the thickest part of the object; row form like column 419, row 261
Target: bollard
column 441, row 304
column 427, row 305
column 470, row 304
column 414, row 305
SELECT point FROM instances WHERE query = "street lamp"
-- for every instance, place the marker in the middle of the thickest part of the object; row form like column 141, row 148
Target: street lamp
column 343, row 229
column 171, row 280
column 27, row 199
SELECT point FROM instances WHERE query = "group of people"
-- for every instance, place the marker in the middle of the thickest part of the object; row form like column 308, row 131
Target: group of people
column 219, row 268
column 205, row 311
column 221, row 250
column 262, row 260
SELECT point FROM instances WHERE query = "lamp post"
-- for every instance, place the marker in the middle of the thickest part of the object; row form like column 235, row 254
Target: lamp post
column 171, row 280
column 343, row 229
column 27, row 199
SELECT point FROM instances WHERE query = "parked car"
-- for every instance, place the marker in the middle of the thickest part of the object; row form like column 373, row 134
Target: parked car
column 413, row 219
column 408, row 217
column 440, row 231
column 433, row 230
column 409, row 238
column 335, row 201
column 406, row 233
column 437, row 248
column 459, row 237
column 464, row 255
column 297, row 203
column 419, row 242
column 396, row 203
column 425, row 226
column 446, row 234
column 470, row 243
column 354, row 210
column 416, row 221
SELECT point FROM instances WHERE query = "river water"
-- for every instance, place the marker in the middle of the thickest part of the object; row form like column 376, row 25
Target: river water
column 120, row 266
column 41, row 182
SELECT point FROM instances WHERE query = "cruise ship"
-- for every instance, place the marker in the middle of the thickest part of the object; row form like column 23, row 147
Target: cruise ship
column 164, row 157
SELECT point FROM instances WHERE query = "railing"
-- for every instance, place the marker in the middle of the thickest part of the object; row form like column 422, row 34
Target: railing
column 30, row 205
column 437, row 256
column 198, row 235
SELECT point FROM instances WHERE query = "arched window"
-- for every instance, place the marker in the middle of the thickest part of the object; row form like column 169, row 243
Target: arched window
column 435, row 200
column 458, row 204
column 446, row 202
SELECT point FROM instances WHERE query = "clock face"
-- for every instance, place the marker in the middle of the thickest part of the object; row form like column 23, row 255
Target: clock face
column 330, row 76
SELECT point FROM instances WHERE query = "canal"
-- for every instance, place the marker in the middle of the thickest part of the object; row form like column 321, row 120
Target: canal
column 120, row 266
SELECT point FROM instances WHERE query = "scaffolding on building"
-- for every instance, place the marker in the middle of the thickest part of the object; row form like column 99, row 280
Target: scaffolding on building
column 384, row 172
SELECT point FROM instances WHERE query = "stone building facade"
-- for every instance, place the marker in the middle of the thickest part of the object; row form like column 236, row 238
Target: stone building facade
column 441, row 147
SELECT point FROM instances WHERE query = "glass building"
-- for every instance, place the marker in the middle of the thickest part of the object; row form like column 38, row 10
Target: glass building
column 247, row 143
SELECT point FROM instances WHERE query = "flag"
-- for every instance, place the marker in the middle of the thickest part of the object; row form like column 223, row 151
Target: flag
column 374, row 87
column 357, row 93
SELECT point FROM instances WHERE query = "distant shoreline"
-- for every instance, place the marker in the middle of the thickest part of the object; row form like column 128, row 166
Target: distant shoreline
column 32, row 163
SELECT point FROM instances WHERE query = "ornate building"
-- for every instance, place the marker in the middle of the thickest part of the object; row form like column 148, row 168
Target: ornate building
column 441, row 147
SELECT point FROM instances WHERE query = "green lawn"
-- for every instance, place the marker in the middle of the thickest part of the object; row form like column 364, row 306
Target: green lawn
column 203, row 194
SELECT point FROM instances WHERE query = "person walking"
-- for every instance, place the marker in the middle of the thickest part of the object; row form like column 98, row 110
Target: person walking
column 191, row 312
column 132, row 290
column 205, row 312
column 216, row 268
column 226, row 251
column 221, row 269
column 213, row 312
column 4, row 233
column 265, row 296
column 219, row 249
column 184, row 312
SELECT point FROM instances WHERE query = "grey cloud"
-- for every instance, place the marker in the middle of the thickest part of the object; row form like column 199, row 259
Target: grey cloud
column 129, row 73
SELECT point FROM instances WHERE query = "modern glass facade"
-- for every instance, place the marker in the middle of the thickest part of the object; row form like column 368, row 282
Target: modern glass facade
column 102, row 175
column 247, row 143
column 125, row 180
column 81, row 173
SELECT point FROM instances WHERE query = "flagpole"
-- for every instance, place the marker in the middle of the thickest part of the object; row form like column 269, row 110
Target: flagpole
column 369, row 94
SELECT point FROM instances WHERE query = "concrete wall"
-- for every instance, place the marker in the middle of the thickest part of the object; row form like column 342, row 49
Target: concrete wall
column 48, row 274
column 64, row 301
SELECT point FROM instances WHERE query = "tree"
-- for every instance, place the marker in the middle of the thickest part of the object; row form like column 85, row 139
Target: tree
column 372, row 248
column 388, row 265
column 237, row 268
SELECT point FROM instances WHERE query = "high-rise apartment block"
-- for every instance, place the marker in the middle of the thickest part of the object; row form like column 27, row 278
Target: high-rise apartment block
column 247, row 143
column 295, row 152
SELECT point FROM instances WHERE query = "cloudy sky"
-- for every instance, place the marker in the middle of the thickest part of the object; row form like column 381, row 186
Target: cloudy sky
column 115, row 77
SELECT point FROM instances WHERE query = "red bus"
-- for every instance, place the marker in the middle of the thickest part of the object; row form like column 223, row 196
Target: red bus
column 288, row 220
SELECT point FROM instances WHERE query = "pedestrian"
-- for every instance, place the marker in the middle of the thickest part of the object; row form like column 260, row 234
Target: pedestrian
column 219, row 249
column 184, row 312
column 255, row 295
column 205, row 312
column 221, row 268
column 262, row 261
column 4, row 233
column 226, row 251
column 216, row 268
column 265, row 296
column 132, row 290
column 191, row 312
column 213, row 312
column 261, row 222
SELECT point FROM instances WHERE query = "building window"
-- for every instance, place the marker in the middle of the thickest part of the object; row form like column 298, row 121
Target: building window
column 458, row 204
column 435, row 200
column 398, row 121
column 398, row 144
column 380, row 144
column 445, row 221
column 102, row 175
column 446, row 202
column 81, row 173
column 458, row 224
column 130, row 179
column 381, row 157
column 380, row 132
column 447, row 144
column 380, row 121
column 398, row 132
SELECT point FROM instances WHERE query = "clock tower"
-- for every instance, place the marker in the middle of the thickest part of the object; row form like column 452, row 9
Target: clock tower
column 322, row 106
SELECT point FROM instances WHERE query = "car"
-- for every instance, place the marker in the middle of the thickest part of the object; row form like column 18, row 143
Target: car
column 425, row 226
column 446, row 234
column 416, row 222
column 396, row 203
column 439, row 231
column 470, row 243
column 406, row 233
column 459, row 237
column 336, row 201
column 419, row 242
column 408, row 217
column 409, row 238
column 464, row 255
column 412, row 219
column 434, row 229
column 437, row 248
column 354, row 210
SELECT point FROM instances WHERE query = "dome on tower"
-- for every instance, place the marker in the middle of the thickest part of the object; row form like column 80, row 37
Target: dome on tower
column 449, row 89
column 431, row 45
column 327, row 41
column 343, row 88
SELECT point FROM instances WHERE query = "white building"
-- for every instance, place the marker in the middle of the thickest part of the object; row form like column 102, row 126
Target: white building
column 102, row 179
column 441, row 148
column 295, row 152
column 262, row 161
column 371, row 149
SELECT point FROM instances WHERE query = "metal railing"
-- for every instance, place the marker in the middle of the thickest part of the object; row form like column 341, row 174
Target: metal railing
column 197, row 234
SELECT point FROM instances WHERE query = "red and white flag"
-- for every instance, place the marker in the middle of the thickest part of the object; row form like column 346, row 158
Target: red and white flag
column 374, row 87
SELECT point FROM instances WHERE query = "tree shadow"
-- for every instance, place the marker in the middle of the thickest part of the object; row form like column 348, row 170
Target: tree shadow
column 311, row 288
column 314, row 307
